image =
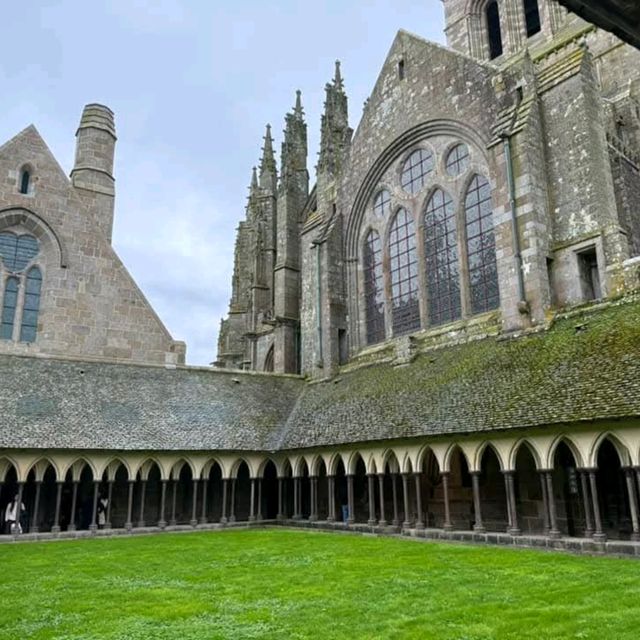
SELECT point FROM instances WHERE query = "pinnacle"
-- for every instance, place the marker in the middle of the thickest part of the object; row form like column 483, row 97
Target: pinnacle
column 338, row 83
column 298, row 110
column 268, row 162
column 254, row 179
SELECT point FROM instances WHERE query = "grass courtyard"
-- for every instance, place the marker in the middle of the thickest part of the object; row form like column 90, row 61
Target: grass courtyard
column 296, row 584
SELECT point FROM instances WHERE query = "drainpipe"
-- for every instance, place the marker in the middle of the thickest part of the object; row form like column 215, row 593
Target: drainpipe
column 523, row 305
column 317, row 245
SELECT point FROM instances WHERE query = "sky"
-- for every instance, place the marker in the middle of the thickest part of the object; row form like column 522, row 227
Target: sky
column 193, row 84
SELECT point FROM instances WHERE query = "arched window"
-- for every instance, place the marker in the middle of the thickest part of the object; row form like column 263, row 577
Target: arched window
column 374, row 288
column 404, row 274
column 457, row 160
column 494, row 30
column 416, row 170
column 31, row 306
column 17, row 251
column 532, row 17
column 9, row 305
column 481, row 249
column 25, row 179
column 382, row 204
column 441, row 256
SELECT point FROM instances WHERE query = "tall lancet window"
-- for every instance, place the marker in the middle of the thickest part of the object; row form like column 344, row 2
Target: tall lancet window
column 31, row 306
column 403, row 263
column 494, row 29
column 532, row 17
column 481, row 247
column 441, row 256
column 9, row 304
column 374, row 288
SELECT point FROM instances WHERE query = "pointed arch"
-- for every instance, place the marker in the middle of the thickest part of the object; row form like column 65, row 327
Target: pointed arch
column 269, row 360
column 482, row 449
column 111, row 465
column 451, row 451
column 210, row 463
column 317, row 463
column 572, row 446
column 176, row 468
column 263, row 465
column 334, row 463
column 40, row 466
column 373, row 287
column 79, row 463
column 350, row 467
column 515, row 449
column 623, row 451
column 390, row 459
column 7, row 463
column 25, row 182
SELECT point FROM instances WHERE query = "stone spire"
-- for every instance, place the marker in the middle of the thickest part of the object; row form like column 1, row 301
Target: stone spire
column 268, row 170
column 294, row 148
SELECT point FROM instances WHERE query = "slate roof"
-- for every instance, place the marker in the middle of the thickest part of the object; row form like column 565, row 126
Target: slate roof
column 586, row 367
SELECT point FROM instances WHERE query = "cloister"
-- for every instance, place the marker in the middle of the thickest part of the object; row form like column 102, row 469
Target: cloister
column 578, row 483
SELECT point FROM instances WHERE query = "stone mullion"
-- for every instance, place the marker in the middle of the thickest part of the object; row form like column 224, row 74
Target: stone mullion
column 19, row 312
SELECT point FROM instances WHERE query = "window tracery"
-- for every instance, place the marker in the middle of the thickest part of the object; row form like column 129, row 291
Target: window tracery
column 416, row 170
column 457, row 161
column 382, row 204
column 374, row 287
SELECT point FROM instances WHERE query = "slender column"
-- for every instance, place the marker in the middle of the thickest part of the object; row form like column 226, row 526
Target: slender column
column 19, row 504
column 633, row 503
column 313, row 484
column 477, row 505
column 394, row 488
column 232, row 508
column 447, row 510
column 162, row 523
column 259, row 505
column 331, row 491
column 223, row 516
column 382, row 522
column 350, row 501
column 74, row 500
column 174, row 497
column 93, row 527
column 203, row 513
column 507, row 493
column 584, row 482
column 107, row 519
column 296, row 491
column 143, row 495
column 128, row 525
column 598, row 534
column 553, row 517
column 419, row 521
column 280, row 515
column 56, row 517
column 252, row 516
column 371, row 490
column 545, row 502
column 194, row 505
column 36, row 509
column 405, row 495
column 514, row 529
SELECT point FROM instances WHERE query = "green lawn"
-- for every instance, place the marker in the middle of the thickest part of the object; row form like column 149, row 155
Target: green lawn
column 296, row 584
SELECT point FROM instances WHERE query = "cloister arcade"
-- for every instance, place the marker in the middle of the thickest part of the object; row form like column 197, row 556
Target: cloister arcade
column 573, row 484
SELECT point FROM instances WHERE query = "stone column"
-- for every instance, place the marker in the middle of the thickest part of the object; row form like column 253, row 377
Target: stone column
column 232, row 508
column 162, row 523
column 512, row 506
column 128, row 525
column 107, row 517
column 19, row 504
column 297, row 506
column 554, row 532
column 36, row 509
column 419, row 521
column 382, row 522
column 584, row 482
column 405, row 496
column 331, row 493
column 203, row 512
column 313, row 491
column 371, row 490
column 252, row 516
column 545, row 502
column 173, row 520
column 56, row 517
column 93, row 527
column 633, row 503
column 223, row 515
column 143, row 495
column 350, row 500
column 74, row 500
column 194, row 505
column 394, row 489
column 280, row 515
column 447, row 509
column 477, row 506
column 259, row 505
column 598, row 534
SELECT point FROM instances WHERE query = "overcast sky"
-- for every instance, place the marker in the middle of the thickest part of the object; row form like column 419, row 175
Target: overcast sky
column 192, row 84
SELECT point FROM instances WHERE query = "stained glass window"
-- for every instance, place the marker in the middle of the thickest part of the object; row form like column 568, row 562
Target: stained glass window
column 481, row 250
column 382, row 204
column 374, row 288
column 458, row 160
column 17, row 251
column 441, row 255
column 404, row 274
column 9, row 305
column 31, row 306
column 416, row 170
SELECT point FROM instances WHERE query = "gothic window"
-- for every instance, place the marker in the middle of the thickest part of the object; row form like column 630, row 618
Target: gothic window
column 416, row 170
column 374, row 288
column 17, row 251
column 494, row 30
column 532, row 17
column 458, row 160
column 404, row 274
column 382, row 204
column 31, row 306
column 441, row 256
column 9, row 304
column 481, row 252
column 25, row 178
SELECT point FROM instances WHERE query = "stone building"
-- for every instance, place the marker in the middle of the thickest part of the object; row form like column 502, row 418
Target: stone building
column 440, row 336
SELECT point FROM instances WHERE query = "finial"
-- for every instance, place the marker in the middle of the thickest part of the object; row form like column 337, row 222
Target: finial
column 298, row 108
column 337, row 81
column 254, row 179
column 267, row 163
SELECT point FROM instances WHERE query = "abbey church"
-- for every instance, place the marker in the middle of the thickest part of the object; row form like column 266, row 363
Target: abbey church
column 436, row 333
